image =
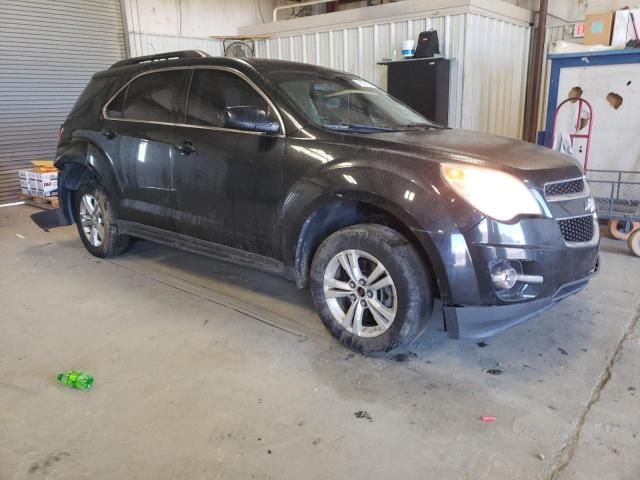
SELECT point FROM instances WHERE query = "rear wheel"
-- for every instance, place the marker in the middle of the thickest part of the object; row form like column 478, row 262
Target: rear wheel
column 371, row 288
column 96, row 222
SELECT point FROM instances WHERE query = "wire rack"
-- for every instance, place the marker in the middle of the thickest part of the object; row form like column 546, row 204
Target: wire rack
column 617, row 194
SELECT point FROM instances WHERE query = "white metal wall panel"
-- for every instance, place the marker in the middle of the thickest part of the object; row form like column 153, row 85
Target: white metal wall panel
column 49, row 49
column 454, row 48
column 495, row 75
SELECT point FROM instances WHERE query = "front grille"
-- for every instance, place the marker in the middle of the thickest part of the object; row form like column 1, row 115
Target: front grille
column 577, row 229
column 569, row 187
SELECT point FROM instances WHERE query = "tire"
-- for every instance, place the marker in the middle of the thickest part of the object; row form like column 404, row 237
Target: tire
column 393, row 314
column 634, row 242
column 621, row 230
column 97, row 229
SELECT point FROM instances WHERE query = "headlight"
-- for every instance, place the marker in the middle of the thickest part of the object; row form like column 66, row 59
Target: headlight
column 496, row 194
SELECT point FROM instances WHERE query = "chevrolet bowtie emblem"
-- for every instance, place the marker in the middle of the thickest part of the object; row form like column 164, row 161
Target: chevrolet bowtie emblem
column 589, row 205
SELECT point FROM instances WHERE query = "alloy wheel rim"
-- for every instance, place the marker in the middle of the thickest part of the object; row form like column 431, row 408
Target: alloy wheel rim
column 360, row 293
column 91, row 220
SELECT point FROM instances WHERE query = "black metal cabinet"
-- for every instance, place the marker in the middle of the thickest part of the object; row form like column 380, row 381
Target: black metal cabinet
column 423, row 84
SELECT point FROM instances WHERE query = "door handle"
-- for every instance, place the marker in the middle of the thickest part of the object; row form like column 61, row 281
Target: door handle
column 110, row 133
column 186, row 148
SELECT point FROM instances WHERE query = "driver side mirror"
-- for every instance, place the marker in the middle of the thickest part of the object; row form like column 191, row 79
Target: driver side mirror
column 252, row 119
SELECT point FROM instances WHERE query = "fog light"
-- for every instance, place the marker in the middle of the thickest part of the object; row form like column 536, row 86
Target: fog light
column 504, row 277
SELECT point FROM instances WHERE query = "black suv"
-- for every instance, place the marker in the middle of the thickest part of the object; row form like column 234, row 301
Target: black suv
column 320, row 176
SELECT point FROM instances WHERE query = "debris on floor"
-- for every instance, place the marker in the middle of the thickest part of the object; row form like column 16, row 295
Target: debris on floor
column 404, row 357
column 363, row 414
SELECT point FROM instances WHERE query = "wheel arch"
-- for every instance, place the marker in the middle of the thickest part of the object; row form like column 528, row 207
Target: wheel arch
column 330, row 214
column 83, row 161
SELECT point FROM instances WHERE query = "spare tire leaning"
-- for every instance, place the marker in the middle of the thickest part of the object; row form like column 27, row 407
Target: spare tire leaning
column 634, row 242
column 621, row 229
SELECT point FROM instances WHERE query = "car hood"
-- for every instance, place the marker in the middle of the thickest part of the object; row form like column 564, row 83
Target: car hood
column 525, row 160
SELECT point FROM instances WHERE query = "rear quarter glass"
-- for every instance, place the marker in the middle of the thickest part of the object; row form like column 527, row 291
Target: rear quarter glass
column 95, row 95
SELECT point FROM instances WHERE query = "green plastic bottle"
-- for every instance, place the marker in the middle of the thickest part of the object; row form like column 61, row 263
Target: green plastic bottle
column 74, row 379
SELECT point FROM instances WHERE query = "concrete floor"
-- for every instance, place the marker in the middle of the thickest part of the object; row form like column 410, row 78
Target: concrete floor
column 205, row 371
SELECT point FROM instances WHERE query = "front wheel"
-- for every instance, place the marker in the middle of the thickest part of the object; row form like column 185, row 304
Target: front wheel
column 371, row 288
column 96, row 222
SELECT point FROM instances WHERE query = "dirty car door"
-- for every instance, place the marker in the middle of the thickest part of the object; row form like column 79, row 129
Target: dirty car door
column 138, row 129
column 227, row 186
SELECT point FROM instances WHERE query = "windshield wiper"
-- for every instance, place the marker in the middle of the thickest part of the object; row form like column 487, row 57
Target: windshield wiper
column 428, row 126
column 357, row 127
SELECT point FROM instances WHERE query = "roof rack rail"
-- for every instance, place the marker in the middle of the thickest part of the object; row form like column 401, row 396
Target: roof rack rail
column 160, row 57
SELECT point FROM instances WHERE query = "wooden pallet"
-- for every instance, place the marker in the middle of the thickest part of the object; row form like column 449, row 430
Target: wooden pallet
column 49, row 203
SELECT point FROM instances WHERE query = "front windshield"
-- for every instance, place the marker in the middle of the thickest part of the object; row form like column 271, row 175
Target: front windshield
column 346, row 102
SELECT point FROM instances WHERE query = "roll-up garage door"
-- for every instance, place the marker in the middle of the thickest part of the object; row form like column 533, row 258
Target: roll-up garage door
column 48, row 51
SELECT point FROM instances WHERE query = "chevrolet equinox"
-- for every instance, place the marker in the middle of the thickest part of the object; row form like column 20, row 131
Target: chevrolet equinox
column 321, row 177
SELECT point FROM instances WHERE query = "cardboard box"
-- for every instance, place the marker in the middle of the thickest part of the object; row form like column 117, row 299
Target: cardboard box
column 46, row 176
column 38, row 184
column 599, row 28
column 623, row 28
column 47, row 186
column 47, row 182
column 46, row 193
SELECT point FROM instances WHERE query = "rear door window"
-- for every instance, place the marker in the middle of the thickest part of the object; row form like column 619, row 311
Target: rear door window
column 213, row 91
column 150, row 97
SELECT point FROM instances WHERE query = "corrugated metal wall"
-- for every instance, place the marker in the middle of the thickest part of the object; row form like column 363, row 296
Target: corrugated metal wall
column 48, row 51
column 495, row 76
column 489, row 60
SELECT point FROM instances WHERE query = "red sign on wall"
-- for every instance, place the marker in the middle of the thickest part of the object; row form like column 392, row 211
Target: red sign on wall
column 578, row 30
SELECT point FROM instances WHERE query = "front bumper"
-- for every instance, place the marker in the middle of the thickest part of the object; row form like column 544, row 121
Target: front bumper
column 473, row 306
column 487, row 320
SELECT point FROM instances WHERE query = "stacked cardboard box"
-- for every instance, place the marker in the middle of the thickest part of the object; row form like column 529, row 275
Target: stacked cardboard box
column 38, row 184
